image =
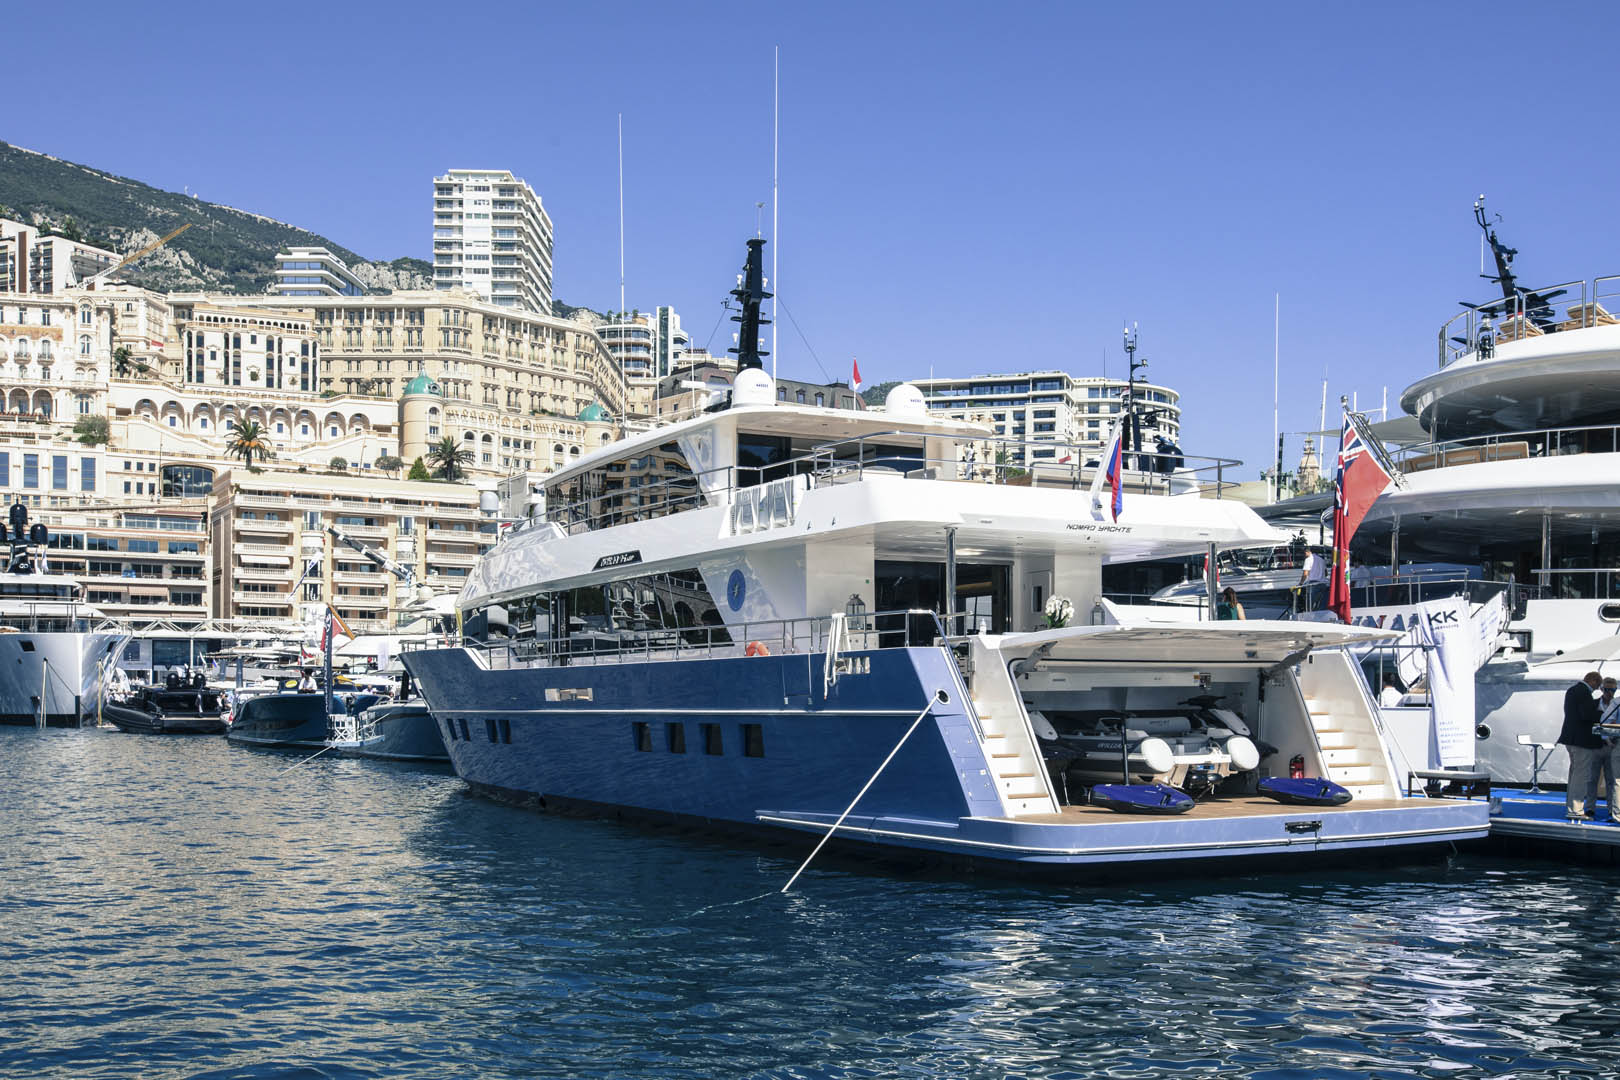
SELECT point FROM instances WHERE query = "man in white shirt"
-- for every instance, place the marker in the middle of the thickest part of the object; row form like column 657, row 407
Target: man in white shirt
column 1391, row 695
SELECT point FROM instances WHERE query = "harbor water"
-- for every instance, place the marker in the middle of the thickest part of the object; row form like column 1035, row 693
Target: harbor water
column 178, row 907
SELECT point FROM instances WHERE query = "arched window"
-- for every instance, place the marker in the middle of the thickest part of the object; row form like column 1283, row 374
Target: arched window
column 84, row 344
column 821, row 399
column 85, row 318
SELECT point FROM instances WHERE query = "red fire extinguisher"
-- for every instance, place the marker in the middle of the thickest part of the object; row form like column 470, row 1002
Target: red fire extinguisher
column 1296, row 767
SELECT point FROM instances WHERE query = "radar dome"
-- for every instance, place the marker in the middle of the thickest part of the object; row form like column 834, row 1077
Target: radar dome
column 753, row 387
column 905, row 400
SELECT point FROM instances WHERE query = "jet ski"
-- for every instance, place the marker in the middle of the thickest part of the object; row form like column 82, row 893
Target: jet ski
column 1141, row 799
column 1304, row 791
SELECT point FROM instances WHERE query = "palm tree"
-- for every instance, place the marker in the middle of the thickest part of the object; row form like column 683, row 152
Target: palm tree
column 247, row 442
column 121, row 357
column 448, row 459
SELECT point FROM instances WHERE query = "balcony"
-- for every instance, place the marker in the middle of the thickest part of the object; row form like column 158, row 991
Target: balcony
column 258, row 525
column 284, row 550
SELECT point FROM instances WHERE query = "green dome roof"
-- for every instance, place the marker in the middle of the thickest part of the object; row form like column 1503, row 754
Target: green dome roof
column 423, row 385
column 593, row 411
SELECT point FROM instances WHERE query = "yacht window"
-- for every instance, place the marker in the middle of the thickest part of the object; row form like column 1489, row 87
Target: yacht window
column 712, row 739
column 641, row 734
column 753, row 740
column 675, row 738
column 760, row 458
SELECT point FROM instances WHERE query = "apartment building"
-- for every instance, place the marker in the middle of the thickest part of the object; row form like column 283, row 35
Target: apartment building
column 268, row 528
column 492, row 238
column 1028, row 410
column 515, row 382
column 55, row 354
column 43, row 265
column 314, row 271
column 135, row 563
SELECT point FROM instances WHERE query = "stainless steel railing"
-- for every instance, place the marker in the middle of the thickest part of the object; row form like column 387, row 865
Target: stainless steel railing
column 1072, row 467
column 1586, row 304
column 1510, row 446
column 905, row 628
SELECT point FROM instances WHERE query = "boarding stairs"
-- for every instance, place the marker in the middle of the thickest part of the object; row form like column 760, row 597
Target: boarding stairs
column 1005, row 733
column 1348, row 730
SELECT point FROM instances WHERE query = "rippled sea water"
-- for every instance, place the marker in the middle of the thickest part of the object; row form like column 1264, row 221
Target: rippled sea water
column 178, row 907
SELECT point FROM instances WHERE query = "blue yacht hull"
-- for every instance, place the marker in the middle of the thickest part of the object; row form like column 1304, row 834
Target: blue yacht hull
column 755, row 744
column 404, row 731
column 290, row 721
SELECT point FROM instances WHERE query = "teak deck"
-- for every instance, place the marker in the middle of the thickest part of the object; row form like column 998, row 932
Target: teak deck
column 1237, row 807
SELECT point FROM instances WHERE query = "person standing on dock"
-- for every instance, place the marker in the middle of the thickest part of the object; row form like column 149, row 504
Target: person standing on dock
column 1586, row 749
column 1609, row 713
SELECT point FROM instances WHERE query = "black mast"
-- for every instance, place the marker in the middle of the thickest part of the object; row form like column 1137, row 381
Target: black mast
column 750, row 293
column 1537, row 307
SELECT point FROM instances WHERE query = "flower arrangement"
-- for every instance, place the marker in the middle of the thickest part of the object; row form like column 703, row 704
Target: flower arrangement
column 1058, row 612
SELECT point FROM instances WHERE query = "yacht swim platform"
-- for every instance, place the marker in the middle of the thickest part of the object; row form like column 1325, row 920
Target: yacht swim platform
column 1228, row 806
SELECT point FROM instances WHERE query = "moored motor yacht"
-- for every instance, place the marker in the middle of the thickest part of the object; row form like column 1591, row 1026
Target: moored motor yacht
column 775, row 617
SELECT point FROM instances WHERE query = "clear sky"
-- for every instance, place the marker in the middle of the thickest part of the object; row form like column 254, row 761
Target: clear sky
column 965, row 187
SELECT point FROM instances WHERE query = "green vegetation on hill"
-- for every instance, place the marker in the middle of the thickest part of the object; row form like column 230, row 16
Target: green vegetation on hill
column 225, row 250
column 874, row 394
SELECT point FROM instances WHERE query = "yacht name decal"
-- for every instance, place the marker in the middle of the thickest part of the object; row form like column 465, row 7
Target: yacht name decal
column 1086, row 526
column 623, row 558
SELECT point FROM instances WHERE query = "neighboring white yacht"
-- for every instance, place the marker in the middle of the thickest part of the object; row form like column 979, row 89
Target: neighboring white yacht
column 52, row 666
column 1510, row 462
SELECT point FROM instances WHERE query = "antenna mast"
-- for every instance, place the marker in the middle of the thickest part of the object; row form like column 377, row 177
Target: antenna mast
column 1276, row 352
column 776, row 142
column 750, row 293
column 621, row 219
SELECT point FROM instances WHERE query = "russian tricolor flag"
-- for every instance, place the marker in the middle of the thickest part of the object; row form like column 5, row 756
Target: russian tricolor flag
column 1113, row 471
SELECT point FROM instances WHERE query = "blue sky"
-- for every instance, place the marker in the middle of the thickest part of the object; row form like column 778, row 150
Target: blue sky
column 965, row 187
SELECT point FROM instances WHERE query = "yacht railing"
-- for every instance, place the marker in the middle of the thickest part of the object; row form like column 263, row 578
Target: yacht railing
column 1072, row 467
column 1510, row 446
column 1586, row 304
column 904, row 628
column 1580, row 583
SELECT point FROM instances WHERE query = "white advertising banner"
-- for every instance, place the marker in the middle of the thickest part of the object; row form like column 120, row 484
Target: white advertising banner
column 1452, row 663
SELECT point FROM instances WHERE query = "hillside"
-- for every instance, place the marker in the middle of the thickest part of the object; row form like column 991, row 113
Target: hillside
column 225, row 250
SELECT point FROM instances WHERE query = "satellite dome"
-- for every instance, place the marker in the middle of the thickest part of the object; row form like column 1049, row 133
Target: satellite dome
column 905, row 400
column 753, row 387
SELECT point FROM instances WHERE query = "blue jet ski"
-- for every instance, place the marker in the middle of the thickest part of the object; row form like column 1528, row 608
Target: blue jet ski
column 1141, row 798
column 1305, row 791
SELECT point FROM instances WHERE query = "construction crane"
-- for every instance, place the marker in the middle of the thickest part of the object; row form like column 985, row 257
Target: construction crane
column 147, row 250
column 405, row 574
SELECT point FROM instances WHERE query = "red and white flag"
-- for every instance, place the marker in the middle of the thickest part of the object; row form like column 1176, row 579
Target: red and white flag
column 1360, row 480
column 855, row 374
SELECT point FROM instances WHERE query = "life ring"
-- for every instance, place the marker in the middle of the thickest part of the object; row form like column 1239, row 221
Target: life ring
column 756, row 648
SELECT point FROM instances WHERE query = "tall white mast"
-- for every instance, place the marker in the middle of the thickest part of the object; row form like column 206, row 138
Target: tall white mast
column 776, row 239
column 1276, row 352
column 621, row 221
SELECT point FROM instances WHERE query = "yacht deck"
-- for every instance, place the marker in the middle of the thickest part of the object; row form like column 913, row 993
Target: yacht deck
column 1229, row 807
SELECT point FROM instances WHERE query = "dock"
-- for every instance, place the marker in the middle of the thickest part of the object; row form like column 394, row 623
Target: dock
column 1533, row 823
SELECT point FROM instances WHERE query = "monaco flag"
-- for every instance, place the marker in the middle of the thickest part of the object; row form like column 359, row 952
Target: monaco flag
column 1360, row 479
column 854, row 374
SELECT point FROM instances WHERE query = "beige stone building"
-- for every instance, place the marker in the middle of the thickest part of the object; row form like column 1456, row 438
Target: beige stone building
column 268, row 528
column 519, row 378
column 325, row 378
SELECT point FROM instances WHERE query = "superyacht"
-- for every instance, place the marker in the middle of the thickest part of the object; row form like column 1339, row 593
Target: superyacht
column 788, row 619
